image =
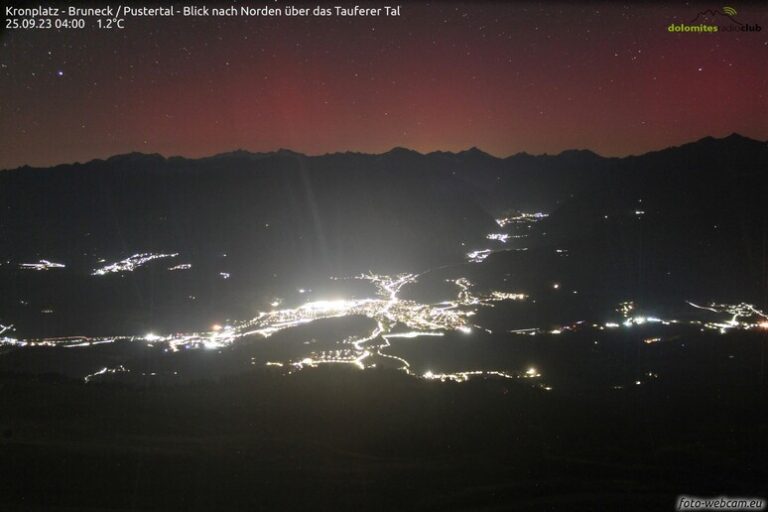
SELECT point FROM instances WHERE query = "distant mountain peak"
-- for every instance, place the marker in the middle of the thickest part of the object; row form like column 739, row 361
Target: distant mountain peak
column 244, row 153
column 399, row 150
column 288, row 152
column 240, row 152
column 733, row 138
column 737, row 136
column 475, row 152
column 135, row 155
column 587, row 153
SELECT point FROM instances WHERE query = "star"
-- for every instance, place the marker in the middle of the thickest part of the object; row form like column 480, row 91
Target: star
column 60, row 73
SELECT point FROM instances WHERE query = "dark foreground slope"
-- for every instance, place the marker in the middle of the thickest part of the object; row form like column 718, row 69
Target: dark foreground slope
column 341, row 440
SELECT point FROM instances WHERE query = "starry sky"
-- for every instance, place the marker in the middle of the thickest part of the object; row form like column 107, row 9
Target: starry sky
column 447, row 76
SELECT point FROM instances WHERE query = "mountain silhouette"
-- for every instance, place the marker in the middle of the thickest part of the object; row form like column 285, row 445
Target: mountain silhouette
column 676, row 222
column 682, row 222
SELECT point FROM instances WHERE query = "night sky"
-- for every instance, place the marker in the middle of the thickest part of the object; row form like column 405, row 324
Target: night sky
column 505, row 78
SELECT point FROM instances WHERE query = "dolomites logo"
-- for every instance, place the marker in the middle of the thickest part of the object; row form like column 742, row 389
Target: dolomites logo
column 711, row 21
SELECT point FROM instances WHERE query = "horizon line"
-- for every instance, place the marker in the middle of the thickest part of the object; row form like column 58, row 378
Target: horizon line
column 394, row 148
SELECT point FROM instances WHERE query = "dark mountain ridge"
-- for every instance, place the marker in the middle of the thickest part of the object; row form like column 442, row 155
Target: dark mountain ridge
column 348, row 206
column 683, row 222
column 335, row 211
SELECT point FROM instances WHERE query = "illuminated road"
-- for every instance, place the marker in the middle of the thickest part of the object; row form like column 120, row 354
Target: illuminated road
column 394, row 318
column 397, row 318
